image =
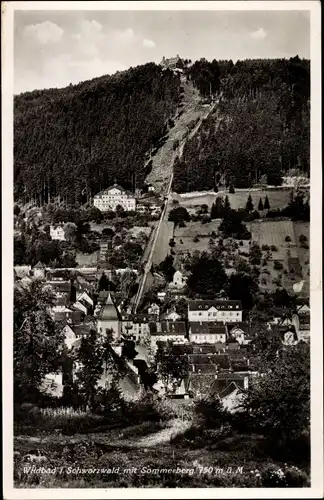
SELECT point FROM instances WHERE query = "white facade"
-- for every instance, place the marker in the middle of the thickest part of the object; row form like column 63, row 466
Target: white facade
column 221, row 311
column 57, row 233
column 179, row 280
column 207, row 338
column 162, row 337
column 110, row 198
column 172, row 316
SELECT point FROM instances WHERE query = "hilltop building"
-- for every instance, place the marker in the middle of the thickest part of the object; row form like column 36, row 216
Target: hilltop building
column 170, row 63
column 114, row 196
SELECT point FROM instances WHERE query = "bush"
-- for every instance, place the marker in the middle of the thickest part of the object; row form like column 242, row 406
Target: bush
column 196, row 239
column 273, row 248
column 265, row 248
column 211, row 412
column 277, row 265
column 302, row 238
column 288, row 239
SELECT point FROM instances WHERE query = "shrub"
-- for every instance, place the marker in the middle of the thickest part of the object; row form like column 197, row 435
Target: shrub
column 302, row 238
column 241, row 243
column 265, row 248
column 196, row 239
column 277, row 265
column 287, row 238
column 273, row 248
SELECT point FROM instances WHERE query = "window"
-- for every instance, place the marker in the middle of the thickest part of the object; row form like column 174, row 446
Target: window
column 215, row 314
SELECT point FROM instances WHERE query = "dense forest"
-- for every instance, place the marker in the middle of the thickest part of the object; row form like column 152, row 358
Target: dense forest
column 70, row 143
column 260, row 128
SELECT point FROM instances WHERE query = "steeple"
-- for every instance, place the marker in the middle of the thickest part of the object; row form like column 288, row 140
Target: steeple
column 109, row 310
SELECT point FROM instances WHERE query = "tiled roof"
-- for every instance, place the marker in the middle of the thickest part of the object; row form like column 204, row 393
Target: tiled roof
column 168, row 328
column 204, row 327
column 139, row 318
column 224, row 305
column 115, row 186
column 60, row 286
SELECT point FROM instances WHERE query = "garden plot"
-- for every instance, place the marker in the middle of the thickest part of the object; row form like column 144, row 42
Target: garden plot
column 278, row 198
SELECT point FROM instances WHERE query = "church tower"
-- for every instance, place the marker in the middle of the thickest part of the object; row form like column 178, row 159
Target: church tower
column 109, row 318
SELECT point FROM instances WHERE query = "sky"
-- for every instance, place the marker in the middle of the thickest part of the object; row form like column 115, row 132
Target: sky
column 56, row 48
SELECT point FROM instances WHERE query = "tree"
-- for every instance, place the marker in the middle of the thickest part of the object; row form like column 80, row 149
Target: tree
column 243, row 287
column 90, row 366
column 231, row 189
column 266, row 204
column 207, row 275
column 232, row 225
column 128, row 349
column 260, row 205
column 211, row 412
column 217, row 208
column 178, row 214
column 166, row 267
column 227, row 205
column 278, row 404
column 70, row 231
column 38, row 343
column 249, row 204
column 172, row 365
column 16, row 209
column 108, row 232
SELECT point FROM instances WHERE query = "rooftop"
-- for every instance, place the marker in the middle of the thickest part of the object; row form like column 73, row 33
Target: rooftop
column 223, row 305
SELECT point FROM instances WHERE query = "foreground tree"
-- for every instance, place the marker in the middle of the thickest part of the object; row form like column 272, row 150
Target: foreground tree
column 172, row 365
column 38, row 343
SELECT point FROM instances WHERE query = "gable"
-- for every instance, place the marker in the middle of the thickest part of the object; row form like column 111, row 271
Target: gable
column 114, row 191
column 212, row 309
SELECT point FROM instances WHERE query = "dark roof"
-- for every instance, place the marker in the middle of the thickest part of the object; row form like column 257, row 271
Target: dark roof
column 241, row 365
column 228, row 390
column 168, row 328
column 115, row 186
column 109, row 310
column 60, row 286
column 204, row 305
column 81, row 330
column 61, row 301
column 243, row 325
column 204, row 327
column 40, row 265
column 208, row 348
column 233, row 346
column 139, row 318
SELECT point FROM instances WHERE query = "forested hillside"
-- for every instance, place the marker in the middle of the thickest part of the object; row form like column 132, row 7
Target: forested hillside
column 260, row 128
column 70, row 143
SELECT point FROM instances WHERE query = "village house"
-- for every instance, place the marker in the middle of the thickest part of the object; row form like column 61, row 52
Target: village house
column 238, row 331
column 168, row 330
column 136, row 326
column 171, row 315
column 215, row 310
column 154, row 309
column 207, row 332
column 114, row 196
column 57, row 233
column 179, row 280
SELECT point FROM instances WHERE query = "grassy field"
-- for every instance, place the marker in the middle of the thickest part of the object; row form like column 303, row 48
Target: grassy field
column 264, row 233
column 278, row 198
column 191, row 461
column 275, row 233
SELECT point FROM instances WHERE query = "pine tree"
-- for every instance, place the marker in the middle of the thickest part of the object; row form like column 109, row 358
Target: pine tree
column 227, row 205
column 260, row 206
column 249, row 204
column 266, row 204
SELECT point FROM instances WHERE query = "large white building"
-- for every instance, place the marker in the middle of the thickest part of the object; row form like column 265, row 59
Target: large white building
column 225, row 311
column 110, row 198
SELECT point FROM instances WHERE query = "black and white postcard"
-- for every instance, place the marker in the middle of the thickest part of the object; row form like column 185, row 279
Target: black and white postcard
column 162, row 250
